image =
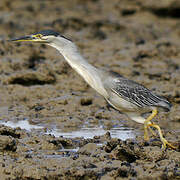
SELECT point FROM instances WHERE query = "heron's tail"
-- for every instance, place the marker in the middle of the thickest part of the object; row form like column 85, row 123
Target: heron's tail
column 165, row 104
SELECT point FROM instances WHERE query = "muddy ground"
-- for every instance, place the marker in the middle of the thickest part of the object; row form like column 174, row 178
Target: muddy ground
column 138, row 39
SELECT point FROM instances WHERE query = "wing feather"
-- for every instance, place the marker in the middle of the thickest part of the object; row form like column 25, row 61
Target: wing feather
column 137, row 93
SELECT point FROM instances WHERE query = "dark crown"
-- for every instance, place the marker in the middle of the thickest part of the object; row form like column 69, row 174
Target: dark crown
column 48, row 33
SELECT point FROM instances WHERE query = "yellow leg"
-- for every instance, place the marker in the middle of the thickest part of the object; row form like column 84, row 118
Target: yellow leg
column 164, row 141
column 147, row 125
column 146, row 136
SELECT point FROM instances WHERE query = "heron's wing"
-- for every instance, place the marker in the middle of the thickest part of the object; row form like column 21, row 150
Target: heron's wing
column 136, row 93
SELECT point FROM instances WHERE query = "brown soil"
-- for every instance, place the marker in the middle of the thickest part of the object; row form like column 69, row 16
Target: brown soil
column 138, row 39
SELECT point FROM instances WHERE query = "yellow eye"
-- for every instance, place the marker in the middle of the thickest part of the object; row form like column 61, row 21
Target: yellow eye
column 38, row 35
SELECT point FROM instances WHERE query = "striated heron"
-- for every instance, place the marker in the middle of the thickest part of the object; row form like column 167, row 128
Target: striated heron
column 123, row 94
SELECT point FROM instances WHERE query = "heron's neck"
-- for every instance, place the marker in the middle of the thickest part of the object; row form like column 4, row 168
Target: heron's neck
column 90, row 73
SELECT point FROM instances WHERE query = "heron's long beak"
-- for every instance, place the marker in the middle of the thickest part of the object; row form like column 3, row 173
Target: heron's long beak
column 31, row 38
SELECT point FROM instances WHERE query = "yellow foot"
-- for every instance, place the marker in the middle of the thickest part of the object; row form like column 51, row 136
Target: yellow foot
column 163, row 140
column 166, row 143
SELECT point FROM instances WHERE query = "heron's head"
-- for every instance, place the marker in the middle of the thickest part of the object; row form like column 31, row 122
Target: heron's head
column 45, row 36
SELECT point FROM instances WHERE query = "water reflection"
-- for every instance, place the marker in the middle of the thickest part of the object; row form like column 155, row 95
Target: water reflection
column 121, row 132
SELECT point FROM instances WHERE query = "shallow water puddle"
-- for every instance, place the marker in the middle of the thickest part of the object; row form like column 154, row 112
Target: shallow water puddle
column 121, row 132
column 51, row 155
column 24, row 124
column 88, row 133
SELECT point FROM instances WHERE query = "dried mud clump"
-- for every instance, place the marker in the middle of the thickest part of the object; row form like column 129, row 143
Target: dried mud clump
column 100, row 158
column 31, row 78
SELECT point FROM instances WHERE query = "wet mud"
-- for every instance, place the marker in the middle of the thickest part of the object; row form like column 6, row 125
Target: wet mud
column 138, row 39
